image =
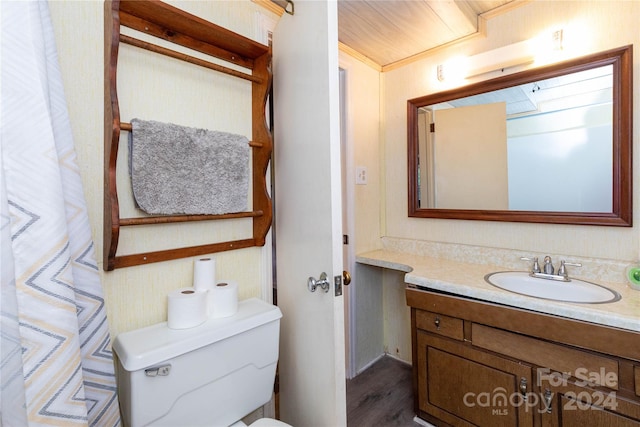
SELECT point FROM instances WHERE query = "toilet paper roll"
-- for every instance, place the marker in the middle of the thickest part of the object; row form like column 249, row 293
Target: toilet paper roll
column 223, row 299
column 204, row 273
column 187, row 308
column 633, row 276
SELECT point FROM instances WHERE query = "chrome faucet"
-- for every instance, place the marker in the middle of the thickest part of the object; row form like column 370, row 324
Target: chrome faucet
column 548, row 270
column 548, row 266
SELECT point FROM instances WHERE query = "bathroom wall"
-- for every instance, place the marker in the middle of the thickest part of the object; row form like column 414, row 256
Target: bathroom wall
column 363, row 126
column 156, row 88
column 362, row 117
column 595, row 26
column 136, row 296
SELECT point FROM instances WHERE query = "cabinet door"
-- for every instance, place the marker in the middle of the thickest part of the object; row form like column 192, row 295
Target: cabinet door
column 463, row 386
column 570, row 402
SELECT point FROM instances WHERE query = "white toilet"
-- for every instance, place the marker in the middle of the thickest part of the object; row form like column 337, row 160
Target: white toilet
column 212, row 375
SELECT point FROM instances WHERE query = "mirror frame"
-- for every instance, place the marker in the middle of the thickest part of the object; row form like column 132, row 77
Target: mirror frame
column 622, row 61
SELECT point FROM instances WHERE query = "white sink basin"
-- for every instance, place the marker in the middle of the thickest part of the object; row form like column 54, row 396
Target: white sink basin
column 576, row 290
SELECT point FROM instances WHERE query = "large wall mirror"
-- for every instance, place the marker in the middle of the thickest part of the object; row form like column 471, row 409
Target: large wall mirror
column 550, row 144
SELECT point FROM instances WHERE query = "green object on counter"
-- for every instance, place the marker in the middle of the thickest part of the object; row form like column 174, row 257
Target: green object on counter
column 633, row 275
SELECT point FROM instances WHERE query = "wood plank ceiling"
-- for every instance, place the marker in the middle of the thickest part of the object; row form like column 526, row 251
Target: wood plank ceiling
column 388, row 31
column 393, row 30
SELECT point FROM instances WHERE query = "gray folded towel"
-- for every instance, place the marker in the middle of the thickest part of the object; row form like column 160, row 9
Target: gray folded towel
column 181, row 170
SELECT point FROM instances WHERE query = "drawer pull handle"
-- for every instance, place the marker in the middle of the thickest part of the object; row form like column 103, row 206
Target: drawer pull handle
column 523, row 388
column 548, row 396
column 437, row 323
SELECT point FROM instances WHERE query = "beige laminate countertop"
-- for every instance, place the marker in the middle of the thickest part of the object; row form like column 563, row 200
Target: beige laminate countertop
column 467, row 280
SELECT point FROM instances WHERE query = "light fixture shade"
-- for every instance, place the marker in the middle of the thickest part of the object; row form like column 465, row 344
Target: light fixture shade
column 513, row 55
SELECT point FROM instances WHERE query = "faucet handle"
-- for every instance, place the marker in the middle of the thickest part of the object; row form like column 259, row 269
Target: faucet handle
column 573, row 264
column 562, row 271
column 535, row 268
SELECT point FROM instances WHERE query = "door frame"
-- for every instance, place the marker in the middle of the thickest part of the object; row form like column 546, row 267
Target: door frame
column 348, row 224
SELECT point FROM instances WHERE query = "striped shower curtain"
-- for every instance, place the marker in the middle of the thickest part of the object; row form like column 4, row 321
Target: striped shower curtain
column 57, row 366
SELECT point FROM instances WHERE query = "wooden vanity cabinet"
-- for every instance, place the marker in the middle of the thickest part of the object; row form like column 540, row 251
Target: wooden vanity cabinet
column 481, row 364
column 572, row 402
column 453, row 379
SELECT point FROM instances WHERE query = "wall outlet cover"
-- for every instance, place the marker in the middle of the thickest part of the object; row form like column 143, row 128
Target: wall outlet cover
column 361, row 175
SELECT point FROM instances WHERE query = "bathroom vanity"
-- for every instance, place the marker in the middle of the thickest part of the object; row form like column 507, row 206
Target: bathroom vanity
column 484, row 356
column 492, row 365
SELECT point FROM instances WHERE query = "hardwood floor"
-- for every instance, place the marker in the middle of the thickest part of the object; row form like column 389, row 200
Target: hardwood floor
column 381, row 396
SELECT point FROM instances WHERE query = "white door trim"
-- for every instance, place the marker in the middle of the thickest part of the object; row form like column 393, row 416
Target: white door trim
column 348, row 200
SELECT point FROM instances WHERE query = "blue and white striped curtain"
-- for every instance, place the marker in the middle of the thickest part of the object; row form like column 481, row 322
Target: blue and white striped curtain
column 57, row 365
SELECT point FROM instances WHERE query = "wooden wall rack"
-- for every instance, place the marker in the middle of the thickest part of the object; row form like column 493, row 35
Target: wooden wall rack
column 179, row 27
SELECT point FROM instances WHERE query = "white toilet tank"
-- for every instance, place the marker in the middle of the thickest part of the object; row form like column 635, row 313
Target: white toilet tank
column 210, row 375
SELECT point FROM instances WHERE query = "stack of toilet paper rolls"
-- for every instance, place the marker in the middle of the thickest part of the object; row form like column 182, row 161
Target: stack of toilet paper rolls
column 208, row 298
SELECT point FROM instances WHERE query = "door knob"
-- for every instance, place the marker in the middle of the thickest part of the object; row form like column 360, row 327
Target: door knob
column 346, row 277
column 312, row 283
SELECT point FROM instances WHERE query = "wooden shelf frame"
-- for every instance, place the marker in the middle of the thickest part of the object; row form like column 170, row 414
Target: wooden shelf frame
column 181, row 28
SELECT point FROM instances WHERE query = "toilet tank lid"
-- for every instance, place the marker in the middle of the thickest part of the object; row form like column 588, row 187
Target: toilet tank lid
column 145, row 347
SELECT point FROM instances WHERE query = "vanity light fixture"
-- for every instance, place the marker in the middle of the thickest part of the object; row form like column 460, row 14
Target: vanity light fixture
column 541, row 50
column 556, row 39
column 516, row 54
column 452, row 72
column 513, row 55
column 440, row 72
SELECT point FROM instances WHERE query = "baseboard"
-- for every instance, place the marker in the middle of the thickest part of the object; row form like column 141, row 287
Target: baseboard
column 422, row 422
column 371, row 363
column 398, row 359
